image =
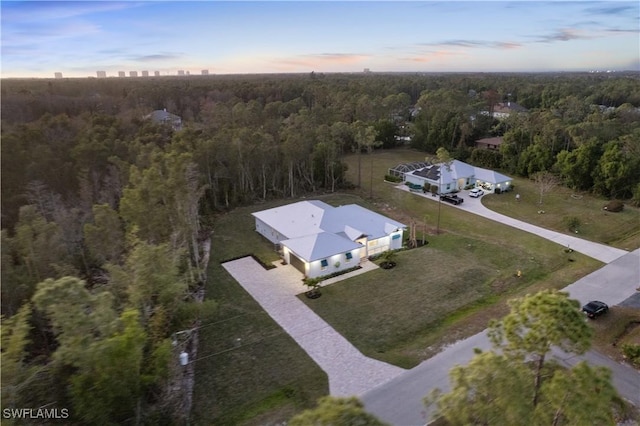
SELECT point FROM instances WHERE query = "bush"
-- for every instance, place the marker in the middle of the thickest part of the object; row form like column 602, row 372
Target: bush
column 632, row 352
column 391, row 178
column 614, row 206
column 572, row 223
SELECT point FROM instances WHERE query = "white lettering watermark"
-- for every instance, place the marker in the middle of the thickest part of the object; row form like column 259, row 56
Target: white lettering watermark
column 35, row 413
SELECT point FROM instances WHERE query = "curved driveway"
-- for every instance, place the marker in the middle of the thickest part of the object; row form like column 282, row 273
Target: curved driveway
column 597, row 251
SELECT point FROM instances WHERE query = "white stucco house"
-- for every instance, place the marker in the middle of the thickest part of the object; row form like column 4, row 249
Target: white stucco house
column 457, row 176
column 319, row 239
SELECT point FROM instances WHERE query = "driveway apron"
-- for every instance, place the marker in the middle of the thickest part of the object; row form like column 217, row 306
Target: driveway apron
column 350, row 372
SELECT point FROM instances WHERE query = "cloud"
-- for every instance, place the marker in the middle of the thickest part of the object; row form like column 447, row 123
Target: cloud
column 616, row 9
column 32, row 11
column 565, row 34
column 157, row 57
column 431, row 56
column 322, row 59
column 475, row 44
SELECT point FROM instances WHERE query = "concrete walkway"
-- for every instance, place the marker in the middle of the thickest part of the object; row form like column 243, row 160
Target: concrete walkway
column 597, row 251
column 350, row 372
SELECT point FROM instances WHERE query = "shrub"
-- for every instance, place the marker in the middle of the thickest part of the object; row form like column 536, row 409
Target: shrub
column 391, row 178
column 572, row 223
column 632, row 352
column 614, row 206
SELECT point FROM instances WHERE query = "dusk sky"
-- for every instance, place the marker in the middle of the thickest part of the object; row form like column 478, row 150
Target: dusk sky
column 79, row 38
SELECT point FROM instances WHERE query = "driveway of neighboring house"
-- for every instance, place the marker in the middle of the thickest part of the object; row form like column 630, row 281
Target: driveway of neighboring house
column 597, row 251
column 350, row 372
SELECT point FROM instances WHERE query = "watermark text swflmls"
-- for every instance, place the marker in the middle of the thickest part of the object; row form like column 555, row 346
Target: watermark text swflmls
column 35, row 413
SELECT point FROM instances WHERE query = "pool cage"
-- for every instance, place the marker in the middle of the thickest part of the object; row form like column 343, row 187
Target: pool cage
column 401, row 169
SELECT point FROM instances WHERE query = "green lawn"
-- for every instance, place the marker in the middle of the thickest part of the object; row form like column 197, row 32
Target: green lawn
column 620, row 230
column 250, row 372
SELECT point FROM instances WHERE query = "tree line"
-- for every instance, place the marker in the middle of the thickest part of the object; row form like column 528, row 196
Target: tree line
column 104, row 211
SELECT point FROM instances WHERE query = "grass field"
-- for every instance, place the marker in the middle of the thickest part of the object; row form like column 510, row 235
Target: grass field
column 249, row 372
column 621, row 230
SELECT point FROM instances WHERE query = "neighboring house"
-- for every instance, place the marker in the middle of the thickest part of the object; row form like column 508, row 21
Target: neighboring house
column 319, row 239
column 457, row 176
column 489, row 143
column 161, row 116
column 505, row 109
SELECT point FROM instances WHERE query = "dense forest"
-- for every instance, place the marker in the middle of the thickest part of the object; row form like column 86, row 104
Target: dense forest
column 104, row 212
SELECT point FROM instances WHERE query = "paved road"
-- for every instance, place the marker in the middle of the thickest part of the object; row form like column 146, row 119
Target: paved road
column 399, row 402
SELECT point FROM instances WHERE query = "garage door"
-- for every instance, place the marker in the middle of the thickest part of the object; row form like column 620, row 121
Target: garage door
column 297, row 263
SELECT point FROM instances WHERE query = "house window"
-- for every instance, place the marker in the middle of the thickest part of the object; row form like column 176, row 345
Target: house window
column 395, row 237
column 349, row 256
column 324, row 264
column 448, row 186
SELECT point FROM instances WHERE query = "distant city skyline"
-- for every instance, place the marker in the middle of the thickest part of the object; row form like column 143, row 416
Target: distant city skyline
column 79, row 38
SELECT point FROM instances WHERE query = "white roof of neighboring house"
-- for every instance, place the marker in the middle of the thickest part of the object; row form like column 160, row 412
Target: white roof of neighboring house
column 460, row 169
column 320, row 246
column 316, row 230
column 490, row 176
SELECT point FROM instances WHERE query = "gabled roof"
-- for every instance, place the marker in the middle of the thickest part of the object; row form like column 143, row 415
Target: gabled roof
column 320, row 246
column 315, row 230
column 459, row 170
column 490, row 176
column 369, row 223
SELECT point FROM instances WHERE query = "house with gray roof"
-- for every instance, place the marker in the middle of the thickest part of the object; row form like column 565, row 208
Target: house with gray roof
column 458, row 175
column 161, row 116
column 319, row 239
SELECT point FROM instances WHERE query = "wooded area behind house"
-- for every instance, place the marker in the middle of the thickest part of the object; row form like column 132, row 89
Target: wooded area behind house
column 104, row 211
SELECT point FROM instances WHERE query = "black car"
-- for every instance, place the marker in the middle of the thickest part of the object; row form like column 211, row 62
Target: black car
column 453, row 199
column 595, row 308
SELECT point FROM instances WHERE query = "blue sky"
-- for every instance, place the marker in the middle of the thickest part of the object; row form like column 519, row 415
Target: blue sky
column 79, row 38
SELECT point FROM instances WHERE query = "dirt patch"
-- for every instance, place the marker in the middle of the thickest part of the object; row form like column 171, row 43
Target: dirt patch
column 619, row 326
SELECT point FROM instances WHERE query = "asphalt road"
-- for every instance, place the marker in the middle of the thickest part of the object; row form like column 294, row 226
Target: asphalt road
column 400, row 401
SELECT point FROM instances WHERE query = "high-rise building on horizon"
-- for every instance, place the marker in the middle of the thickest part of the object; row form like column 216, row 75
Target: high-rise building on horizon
column 57, row 75
column 121, row 74
column 101, row 74
column 205, row 72
column 145, row 73
column 180, row 72
column 156, row 73
column 133, row 73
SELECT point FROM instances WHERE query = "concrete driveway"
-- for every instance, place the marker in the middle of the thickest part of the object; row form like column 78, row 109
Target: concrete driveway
column 597, row 251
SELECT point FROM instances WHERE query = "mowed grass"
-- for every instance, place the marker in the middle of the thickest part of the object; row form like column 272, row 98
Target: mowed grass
column 621, row 230
column 445, row 291
column 248, row 371
column 438, row 294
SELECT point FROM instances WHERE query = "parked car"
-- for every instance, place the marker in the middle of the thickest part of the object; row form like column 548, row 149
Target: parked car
column 476, row 192
column 595, row 308
column 453, row 199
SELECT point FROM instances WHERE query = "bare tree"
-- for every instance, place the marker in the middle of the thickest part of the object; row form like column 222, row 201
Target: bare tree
column 545, row 181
